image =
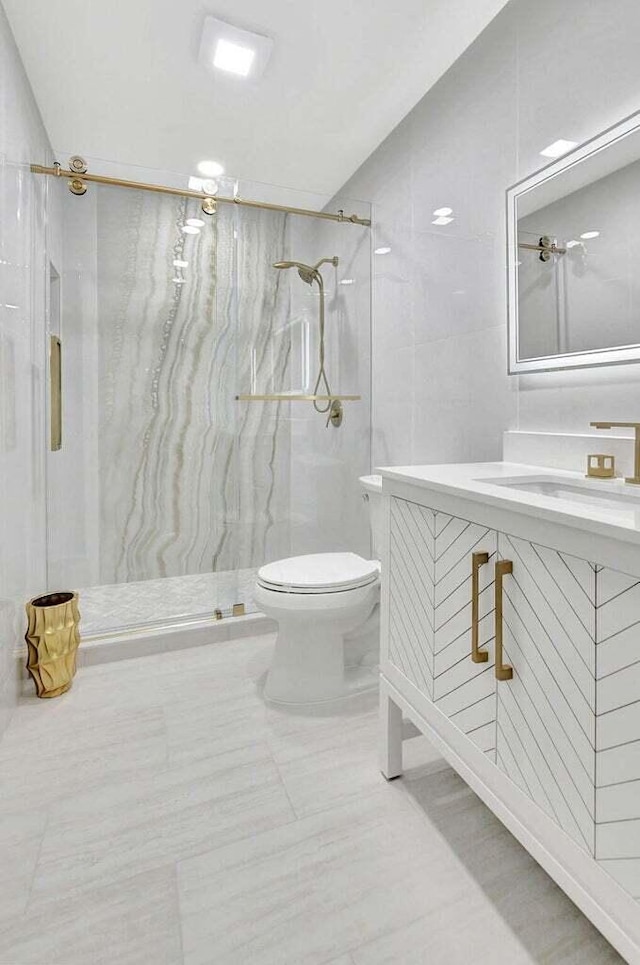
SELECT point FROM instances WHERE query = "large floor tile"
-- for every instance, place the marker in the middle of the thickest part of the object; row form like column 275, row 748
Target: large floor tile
column 502, row 895
column 142, row 824
column 79, row 750
column 315, row 888
column 21, row 834
column 132, row 922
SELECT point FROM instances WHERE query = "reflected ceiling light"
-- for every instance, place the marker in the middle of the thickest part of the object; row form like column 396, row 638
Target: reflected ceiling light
column 178, row 281
column 572, row 244
column 227, row 48
column 210, row 169
column 347, row 281
column 382, row 251
column 586, row 235
column 233, row 58
column 443, row 212
column 180, row 264
column 195, row 222
column 206, row 185
column 558, row 148
column 442, row 221
column 190, row 229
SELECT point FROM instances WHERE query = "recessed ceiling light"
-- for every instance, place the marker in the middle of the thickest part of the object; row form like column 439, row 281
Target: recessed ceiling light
column 443, row 212
column 589, row 234
column 190, row 229
column 558, row 148
column 180, row 264
column 382, row 251
column 235, row 51
column 195, row 222
column 347, row 281
column 210, row 169
column 233, row 58
column 442, row 221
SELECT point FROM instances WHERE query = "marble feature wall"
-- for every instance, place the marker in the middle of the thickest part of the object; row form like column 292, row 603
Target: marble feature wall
column 189, row 481
column 24, row 239
column 441, row 392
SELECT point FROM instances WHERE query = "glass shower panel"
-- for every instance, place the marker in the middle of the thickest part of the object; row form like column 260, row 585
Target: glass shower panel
column 298, row 475
column 143, row 495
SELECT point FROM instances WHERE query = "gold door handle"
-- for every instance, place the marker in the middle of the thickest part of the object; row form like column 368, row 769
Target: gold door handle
column 55, row 392
column 477, row 560
column 503, row 567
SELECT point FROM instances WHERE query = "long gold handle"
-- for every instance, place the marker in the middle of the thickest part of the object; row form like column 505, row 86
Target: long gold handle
column 503, row 568
column 477, row 560
column 55, row 380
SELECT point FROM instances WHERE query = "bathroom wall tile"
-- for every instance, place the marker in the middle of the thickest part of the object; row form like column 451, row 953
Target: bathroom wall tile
column 132, row 922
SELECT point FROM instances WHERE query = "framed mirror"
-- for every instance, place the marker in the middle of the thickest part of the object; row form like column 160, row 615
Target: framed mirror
column 573, row 257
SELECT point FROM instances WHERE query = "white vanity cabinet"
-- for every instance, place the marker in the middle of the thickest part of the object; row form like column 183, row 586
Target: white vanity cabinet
column 521, row 660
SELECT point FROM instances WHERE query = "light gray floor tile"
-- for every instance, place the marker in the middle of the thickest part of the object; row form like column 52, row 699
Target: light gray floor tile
column 77, row 751
column 132, row 922
column 316, row 888
column 21, row 835
column 506, row 898
column 141, row 824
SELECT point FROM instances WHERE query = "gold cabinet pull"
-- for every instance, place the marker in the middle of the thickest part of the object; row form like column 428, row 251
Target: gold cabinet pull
column 503, row 568
column 477, row 560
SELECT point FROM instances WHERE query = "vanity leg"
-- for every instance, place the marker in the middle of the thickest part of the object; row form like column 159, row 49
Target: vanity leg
column 390, row 736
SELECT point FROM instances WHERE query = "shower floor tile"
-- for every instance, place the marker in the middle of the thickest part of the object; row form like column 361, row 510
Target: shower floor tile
column 160, row 814
column 160, row 603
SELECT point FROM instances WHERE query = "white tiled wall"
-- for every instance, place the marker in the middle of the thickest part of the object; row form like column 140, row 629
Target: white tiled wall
column 539, row 72
column 22, row 362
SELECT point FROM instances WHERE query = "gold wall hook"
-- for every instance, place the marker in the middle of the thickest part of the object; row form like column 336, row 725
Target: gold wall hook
column 209, row 206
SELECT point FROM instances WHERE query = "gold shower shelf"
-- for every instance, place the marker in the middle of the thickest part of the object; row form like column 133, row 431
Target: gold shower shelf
column 298, row 398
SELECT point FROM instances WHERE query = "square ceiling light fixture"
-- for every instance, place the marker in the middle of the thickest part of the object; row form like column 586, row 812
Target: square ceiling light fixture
column 232, row 50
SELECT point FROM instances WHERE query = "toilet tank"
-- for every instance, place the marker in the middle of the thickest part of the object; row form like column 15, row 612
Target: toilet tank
column 372, row 492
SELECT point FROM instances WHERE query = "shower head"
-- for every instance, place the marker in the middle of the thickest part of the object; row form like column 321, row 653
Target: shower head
column 306, row 272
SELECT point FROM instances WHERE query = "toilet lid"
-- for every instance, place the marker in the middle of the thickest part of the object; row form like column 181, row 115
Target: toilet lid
column 319, row 573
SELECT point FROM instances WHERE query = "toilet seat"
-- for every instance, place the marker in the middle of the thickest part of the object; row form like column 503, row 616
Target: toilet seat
column 319, row 573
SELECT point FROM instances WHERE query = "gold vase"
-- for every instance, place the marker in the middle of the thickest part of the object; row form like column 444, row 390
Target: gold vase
column 52, row 641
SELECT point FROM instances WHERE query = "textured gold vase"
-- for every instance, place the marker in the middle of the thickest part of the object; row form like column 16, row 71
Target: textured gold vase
column 52, row 641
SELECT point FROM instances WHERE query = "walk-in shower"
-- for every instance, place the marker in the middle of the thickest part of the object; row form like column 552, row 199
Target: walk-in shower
column 187, row 460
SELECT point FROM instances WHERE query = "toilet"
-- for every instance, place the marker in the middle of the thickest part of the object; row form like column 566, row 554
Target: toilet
column 327, row 609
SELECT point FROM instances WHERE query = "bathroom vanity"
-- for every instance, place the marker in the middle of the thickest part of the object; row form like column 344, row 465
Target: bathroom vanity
column 511, row 638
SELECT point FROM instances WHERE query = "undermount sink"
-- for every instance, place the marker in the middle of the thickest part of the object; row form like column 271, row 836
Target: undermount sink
column 607, row 494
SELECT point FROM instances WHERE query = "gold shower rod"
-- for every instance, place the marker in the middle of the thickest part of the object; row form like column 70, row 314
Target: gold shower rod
column 60, row 172
column 298, row 398
column 551, row 249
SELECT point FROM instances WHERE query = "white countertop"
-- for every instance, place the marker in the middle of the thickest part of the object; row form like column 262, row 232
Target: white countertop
column 469, row 481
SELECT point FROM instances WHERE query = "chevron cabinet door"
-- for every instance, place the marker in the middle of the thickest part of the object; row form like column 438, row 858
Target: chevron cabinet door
column 546, row 734
column 618, row 727
column 411, row 592
column 464, row 690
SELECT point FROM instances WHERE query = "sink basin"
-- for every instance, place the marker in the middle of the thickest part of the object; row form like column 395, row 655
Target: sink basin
column 607, row 494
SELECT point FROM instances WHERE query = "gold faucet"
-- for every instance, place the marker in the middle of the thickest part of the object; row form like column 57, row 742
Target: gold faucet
column 635, row 479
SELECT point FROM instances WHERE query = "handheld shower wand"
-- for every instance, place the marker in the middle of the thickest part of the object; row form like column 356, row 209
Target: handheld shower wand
column 309, row 274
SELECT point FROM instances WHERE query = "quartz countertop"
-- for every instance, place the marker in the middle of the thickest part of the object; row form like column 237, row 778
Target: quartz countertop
column 473, row 481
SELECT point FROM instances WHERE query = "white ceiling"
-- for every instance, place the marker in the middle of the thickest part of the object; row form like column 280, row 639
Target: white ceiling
column 120, row 80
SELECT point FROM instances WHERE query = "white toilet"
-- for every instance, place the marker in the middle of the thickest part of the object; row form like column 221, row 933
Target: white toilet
column 326, row 606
